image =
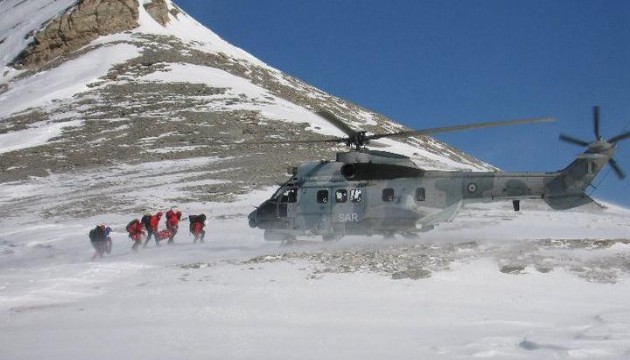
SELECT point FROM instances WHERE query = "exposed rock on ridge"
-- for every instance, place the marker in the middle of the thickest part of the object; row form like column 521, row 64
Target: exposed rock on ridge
column 84, row 23
column 158, row 9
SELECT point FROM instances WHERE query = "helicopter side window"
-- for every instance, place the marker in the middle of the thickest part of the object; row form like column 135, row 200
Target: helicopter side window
column 341, row 196
column 322, row 196
column 356, row 195
column 388, row 195
column 420, row 194
column 290, row 196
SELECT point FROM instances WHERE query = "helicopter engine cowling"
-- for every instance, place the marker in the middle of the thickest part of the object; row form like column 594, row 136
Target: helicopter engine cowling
column 374, row 157
column 353, row 157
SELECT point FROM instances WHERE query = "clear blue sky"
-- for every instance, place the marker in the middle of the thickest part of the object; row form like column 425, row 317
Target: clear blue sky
column 435, row 63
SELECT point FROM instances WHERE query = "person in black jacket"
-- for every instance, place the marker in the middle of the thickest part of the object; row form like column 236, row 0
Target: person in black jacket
column 197, row 223
column 101, row 241
column 146, row 222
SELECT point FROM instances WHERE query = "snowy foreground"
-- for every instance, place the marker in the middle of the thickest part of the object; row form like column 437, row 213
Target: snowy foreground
column 532, row 285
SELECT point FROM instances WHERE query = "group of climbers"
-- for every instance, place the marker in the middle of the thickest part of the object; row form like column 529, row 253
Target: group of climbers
column 141, row 230
column 150, row 223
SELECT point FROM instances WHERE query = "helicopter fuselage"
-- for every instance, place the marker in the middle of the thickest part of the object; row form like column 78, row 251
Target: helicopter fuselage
column 372, row 192
column 375, row 192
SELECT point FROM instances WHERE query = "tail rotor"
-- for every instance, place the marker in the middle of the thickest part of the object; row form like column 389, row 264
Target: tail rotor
column 617, row 169
column 600, row 144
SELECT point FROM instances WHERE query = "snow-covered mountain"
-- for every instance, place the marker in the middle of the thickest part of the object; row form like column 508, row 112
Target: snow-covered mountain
column 97, row 85
column 109, row 108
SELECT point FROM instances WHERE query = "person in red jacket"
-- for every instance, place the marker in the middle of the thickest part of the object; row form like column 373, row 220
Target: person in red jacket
column 197, row 223
column 136, row 233
column 172, row 223
column 152, row 229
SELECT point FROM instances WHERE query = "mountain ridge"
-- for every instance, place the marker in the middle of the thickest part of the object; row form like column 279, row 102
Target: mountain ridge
column 170, row 93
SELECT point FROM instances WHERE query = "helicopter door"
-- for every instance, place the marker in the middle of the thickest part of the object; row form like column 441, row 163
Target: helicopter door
column 288, row 204
column 348, row 207
column 314, row 210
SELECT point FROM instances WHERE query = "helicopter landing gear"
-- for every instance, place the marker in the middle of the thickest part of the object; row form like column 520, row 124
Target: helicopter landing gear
column 278, row 236
column 410, row 235
column 289, row 241
column 331, row 237
column 388, row 235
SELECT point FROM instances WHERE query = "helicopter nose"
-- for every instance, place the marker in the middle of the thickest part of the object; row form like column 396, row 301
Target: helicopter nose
column 253, row 218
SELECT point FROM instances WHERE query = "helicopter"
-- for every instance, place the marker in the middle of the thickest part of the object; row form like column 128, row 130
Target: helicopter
column 373, row 192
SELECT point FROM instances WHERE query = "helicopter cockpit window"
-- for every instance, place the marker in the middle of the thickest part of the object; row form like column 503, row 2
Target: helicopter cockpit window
column 420, row 194
column 356, row 195
column 289, row 195
column 388, row 194
column 341, row 196
column 322, row 196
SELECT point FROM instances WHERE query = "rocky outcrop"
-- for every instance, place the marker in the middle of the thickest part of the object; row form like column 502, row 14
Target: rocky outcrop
column 81, row 24
column 158, row 11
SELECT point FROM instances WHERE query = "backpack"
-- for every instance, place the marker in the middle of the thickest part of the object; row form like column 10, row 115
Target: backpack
column 146, row 221
column 92, row 235
column 154, row 222
column 96, row 234
column 128, row 228
column 196, row 219
column 196, row 228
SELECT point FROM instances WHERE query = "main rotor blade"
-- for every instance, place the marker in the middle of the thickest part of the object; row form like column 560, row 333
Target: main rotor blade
column 310, row 141
column 462, row 127
column 333, row 119
column 572, row 140
column 619, row 137
column 618, row 171
column 596, row 121
column 280, row 141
